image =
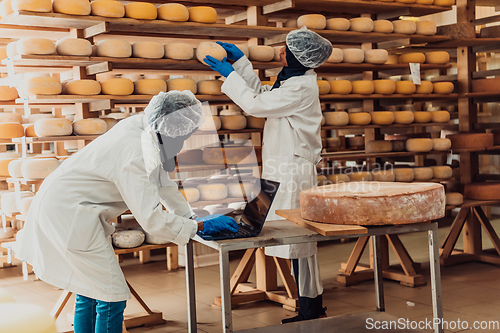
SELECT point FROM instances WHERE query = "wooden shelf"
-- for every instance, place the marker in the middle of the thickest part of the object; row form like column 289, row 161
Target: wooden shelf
column 480, row 150
column 356, row 97
column 329, row 127
column 207, row 167
column 56, row 139
column 24, row 181
column 360, row 154
column 143, row 247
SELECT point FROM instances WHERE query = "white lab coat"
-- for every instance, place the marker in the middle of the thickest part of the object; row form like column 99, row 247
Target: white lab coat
column 291, row 147
column 65, row 235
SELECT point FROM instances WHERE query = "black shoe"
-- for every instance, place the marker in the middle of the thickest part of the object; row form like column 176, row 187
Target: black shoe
column 298, row 317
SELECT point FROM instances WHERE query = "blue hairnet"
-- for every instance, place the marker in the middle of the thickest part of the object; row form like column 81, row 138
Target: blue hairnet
column 310, row 49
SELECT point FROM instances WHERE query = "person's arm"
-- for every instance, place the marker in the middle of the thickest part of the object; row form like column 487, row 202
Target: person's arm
column 245, row 69
column 171, row 198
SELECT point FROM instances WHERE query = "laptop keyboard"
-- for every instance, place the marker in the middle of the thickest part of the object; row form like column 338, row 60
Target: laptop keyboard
column 244, row 230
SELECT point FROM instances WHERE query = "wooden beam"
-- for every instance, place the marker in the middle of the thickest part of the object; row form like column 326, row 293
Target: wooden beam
column 240, row 17
column 286, row 276
column 267, row 276
column 394, row 14
column 486, row 20
column 102, row 67
column 355, row 256
column 490, row 231
column 243, row 270
column 97, row 29
column 278, row 6
column 453, row 233
column 458, row 30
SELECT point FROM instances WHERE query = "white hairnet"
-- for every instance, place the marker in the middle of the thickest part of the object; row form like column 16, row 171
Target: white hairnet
column 310, row 49
column 175, row 113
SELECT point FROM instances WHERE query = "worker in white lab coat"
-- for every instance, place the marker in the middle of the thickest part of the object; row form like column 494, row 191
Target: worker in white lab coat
column 291, row 142
column 65, row 236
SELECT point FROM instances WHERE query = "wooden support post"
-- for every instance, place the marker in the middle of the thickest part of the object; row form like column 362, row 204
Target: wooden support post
column 266, row 272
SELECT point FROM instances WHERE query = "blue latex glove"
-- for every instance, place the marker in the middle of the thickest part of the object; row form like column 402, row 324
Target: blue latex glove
column 233, row 52
column 223, row 67
column 215, row 223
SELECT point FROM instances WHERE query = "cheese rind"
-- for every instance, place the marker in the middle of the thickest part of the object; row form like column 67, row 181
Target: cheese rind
column 38, row 168
column 141, row 11
column 36, row 46
column 471, row 140
column 212, row 49
column 148, row 50
column 11, row 130
column 422, row 116
column 179, row 51
column 338, row 178
column 360, row 176
column 382, row 117
column 405, row 27
column 8, row 93
column 405, row 87
column 149, row 86
column 423, row 174
column 53, row 127
column 442, row 172
column 114, row 48
column 376, row 56
column 261, row 53
column 404, row 175
column 360, row 118
column 383, row 26
column 173, row 12
column 77, row 47
column 425, row 87
column 82, row 87
column 353, row 56
column 427, row 28
column 312, row 21
column 42, row 85
column 383, row 176
column 210, row 87
column 337, row 56
column 454, row 199
column 443, row 87
column 361, row 24
column 403, row 117
column 90, row 126
column 191, row 194
column 233, row 155
column 213, row 192
column 341, row 87
column 437, row 57
column 481, row 191
column 117, row 86
column 202, row 14
column 415, row 57
column 338, row 23
column 441, row 144
column 337, row 118
column 40, row 6
column 72, row 7
column 233, row 122
column 441, row 116
column 378, row 146
column 363, row 87
column 182, row 84
column 384, row 87
column 419, row 145
column 323, row 87
column 107, row 8
column 128, row 239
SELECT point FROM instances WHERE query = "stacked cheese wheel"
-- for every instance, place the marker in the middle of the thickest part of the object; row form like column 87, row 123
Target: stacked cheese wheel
column 389, row 87
column 342, row 118
column 10, row 125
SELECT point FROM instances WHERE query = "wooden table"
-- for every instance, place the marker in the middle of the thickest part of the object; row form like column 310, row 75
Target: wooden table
column 286, row 232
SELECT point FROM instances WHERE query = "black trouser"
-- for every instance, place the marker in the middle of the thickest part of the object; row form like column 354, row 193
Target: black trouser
column 309, row 308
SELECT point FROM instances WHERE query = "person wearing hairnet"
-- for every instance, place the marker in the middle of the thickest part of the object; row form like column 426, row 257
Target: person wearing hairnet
column 291, row 140
column 65, row 235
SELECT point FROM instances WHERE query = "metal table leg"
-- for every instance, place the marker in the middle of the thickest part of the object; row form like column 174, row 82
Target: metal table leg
column 437, row 306
column 377, row 273
column 191, row 296
column 225, row 286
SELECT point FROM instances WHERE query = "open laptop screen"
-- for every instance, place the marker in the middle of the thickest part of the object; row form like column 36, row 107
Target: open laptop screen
column 258, row 207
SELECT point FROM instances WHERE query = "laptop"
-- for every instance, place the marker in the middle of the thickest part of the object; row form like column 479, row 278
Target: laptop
column 255, row 212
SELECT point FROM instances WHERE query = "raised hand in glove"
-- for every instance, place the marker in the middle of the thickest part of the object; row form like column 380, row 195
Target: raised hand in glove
column 223, row 67
column 233, row 52
column 216, row 223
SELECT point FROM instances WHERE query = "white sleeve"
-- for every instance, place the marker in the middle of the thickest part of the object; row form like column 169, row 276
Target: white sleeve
column 245, row 69
column 171, row 198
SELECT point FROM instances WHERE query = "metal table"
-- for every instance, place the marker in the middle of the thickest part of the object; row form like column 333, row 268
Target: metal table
column 286, row 232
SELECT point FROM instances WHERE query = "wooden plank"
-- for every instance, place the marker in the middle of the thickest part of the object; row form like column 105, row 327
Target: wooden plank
column 486, row 20
column 286, row 276
column 490, row 32
column 453, row 233
column 490, row 231
column 360, row 154
column 243, row 270
column 402, row 254
column 240, row 17
column 56, row 138
column 61, row 302
column 143, row 248
column 278, row 6
column 172, row 258
column 486, row 85
column 355, row 256
column 458, row 30
column 265, row 271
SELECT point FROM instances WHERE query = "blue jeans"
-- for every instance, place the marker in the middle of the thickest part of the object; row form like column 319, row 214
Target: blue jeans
column 94, row 316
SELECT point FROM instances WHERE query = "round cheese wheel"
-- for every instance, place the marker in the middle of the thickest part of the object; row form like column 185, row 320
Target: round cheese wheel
column 405, row 87
column 41, row 6
column 148, row 50
column 478, row 191
column 14, row 318
column 5, row 8
column 444, row 2
column 384, row 176
column 384, row 87
column 363, row 87
column 40, row 46
column 25, row 205
column 14, row 168
column 324, row 87
column 312, row 21
column 406, row 1
column 71, row 7
column 415, row 57
column 356, row 141
column 443, row 87
column 277, row 51
column 338, row 178
column 361, row 24
column 261, row 53
column 114, row 48
column 454, row 199
column 127, row 239
column 376, row 56
column 212, row 123
column 338, row 23
column 291, row 24
column 83, row 87
column 53, row 127
column 202, row 14
column 39, row 168
column 471, row 140
column 425, row 87
column 362, row 176
column 190, row 156
column 233, row 122
column 179, row 51
column 175, row 12
column 149, row 86
column 403, row 175
column 8, row 93
column 424, row 2
column 441, row 144
column 353, row 56
column 230, row 155
column 11, row 50
column 383, row 26
column 336, row 56
column 190, row 194
column 254, row 122
column 427, row 28
column 419, row 145
column 212, row 192
column 42, row 85
column 442, row 172
column 438, row 57
column 182, row 84
column 341, row 87
column 90, row 126
column 235, row 189
column 422, row 116
column 398, row 145
column 212, row 49
column 378, row 146
column 442, row 116
column 360, row 118
column 332, row 142
column 382, row 117
column 337, row 118
column 423, row 174
column 141, row 11
column 403, row 117
column 210, row 87
column 107, row 8
column 110, row 122
column 117, row 86
column 405, row 27
column 4, row 166
column 78, row 47
column 3, row 53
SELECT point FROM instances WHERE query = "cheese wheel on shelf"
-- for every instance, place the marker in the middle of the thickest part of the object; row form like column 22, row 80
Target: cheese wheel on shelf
column 8, row 93
column 338, row 178
column 77, row 47
column 414, row 57
column 182, row 84
column 360, row 118
column 291, row 24
column 11, row 50
column 337, row 118
column 323, row 87
column 376, row 56
column 403, row 175
column 148, row 50
column 230, row 155
column 191, row 194
column 235, row 189
column 361, row 176
column 90, row 126
column 40, row 6
column 53, row 127
column 72, row 7
column 378, row 146
column 42, row 85
column 425, row 87
column 277, row 51
column 422, row 116
column 398, row 145
column 382, row 117
column 353, row 56
column 212, row 123
column 363, row 87
column 202, row 14
column 332, row 142
column 406, row 1
column 149, row 86
column 341, row 87
column 117, row 86
column 384, row 87
column 210, row 87
column 110, row 122
column 405, row 87
column 179, row 51
column 437, row 57
column 114, row 48
column 405, row 27
column 233, row 122
column 141, row 11
column 190, row 156
column 441, row 144
column 361, row 24
column 383, row 176
column 442, row 172
column 37, row 46
column 356, row 141
column 427, row 28
column 254, row 122
column 420, row 145
column 212, row 49
column 423, row 174
column 444, row 2
column 261, row 53
column 11, row 130
column 393, row 59
column 424, row 2
column 454, row 199
column 14, row 168
column 478, row 191
column 107, row 8
column 6, row 234
column 403, row 117
column 443, row 87
column 82, row 87
column 4, row 167
column 128, row 239
column 39, row 168
column 338, row 23
column 337, row 56
column 471, row 140
column 441, row 116
column 383, row 26
column 213, row 192
column 312, row 21
column 175, row 12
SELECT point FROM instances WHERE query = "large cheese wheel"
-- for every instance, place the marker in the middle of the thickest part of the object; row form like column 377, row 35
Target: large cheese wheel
column 376, row 56
column 338, row 178
column 378, row 146
column 53, row 127
column 261, row 53
column 454, row 199
column 235, row 190
column 213, row 192
column 427, row 28
column 41, row 46
column 117, row 86
column 361, row 176
column 41, row 6
column 423, row 174
column 72, row 7
column 114, row 48
column 38, row 168
column 471, row 140
column 403, row 117
column 355, row 141
column 422, row 116
column 403, row 175
column 442, row 172
column 415, row 57
column 443, row 87
column 479, row 191
column 78, row 47
column 212, row 123
column 14, row 168
column 324, row 87
column 182, row 84
column 83, row 87
column 332, row 142
column 444, row 2
column 363, row 87
column 11, row 50
column 337, row 56
column 5, row 8
column 233, row 122
column 128, row 239
column 406, row 1
column 383, row 26
column 441, row 116
column 438, row 57
column 424, row 2
column 175, row 12
column 312, row 21
column 4, row 167
column 90, row 126
column 419, row 145
column 425, row 87
column 441, row 144
column 110, row 122
column 361, row 24
column 383, row 176
column 148, row 50
column 15, row 318
column 210, row 87
column 11, row 130
column 405, row 87
column 233, row 155
column 29, row 130
column 393, row 59
column 360, row 118
column 341, row 87
column 141, row 11
column 382, row 117
column 212, row 49
column 338, row 23
column 398, row 145
column 149, row 86
column 277, row 51
column 337, row 118
column 254, row 122
column 42, row 85
column 384, row 87
column 107, row 8
column 353, row 56
column 179, row 51
column 8, row 93
column 190, row 194
column 202, row 14
column 6, row 234
column 405, row 27
column 190, row 156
